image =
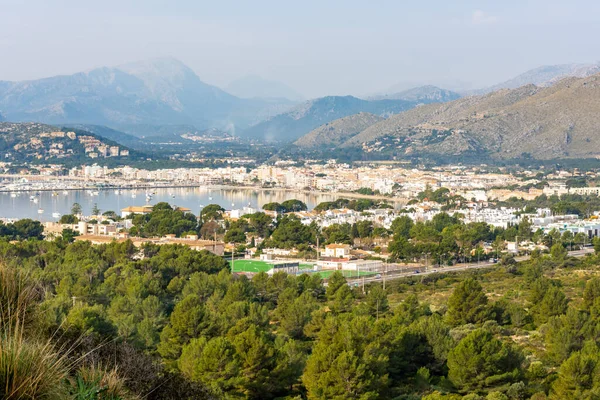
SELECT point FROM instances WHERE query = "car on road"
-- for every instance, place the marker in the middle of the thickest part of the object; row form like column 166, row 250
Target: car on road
column 378, row 276
column 416, row 272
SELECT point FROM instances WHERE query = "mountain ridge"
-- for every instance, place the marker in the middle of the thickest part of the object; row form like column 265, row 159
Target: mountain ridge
column 557, row 121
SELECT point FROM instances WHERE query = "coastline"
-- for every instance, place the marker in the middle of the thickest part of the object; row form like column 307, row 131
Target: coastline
column 99, row 187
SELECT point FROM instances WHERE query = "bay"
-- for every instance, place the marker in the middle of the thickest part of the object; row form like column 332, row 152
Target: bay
column 193, row 198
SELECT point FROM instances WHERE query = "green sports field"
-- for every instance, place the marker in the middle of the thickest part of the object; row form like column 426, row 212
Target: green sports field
column 250, row 266
column 261, row 266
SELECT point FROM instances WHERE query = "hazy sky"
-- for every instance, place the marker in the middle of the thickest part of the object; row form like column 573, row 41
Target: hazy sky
column 317, row 47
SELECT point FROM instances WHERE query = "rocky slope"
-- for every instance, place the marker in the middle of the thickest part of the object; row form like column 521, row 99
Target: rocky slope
column 338, row 131
column 551, row 122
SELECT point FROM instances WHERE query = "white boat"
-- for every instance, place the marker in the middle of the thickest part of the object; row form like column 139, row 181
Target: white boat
column 40, row 211
column 55, row 215
column 35, row 200
column 32, row 198
column 65, row 192
column 13, row 194
column 133, row 195
column 117, row 192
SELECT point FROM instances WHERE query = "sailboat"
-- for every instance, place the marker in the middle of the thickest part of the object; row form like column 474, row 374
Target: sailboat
column 40, row 211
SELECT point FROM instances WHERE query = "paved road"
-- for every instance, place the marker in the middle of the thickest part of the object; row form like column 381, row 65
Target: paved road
column 458, row 267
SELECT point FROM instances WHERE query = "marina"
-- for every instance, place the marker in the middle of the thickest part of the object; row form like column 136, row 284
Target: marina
column 50, row 205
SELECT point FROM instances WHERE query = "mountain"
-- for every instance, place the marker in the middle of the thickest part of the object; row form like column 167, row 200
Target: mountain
column 253, row 86
column 338, row 131
column 545, row 75
column 422, row 94
column 155, row 92
column 311, row 114
column 540, row 122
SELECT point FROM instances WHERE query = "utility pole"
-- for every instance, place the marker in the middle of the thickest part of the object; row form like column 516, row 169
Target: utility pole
column 384, row 272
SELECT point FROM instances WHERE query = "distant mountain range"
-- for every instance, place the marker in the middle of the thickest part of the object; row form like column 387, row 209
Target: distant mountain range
column 253, row 86
column 424, row 94
column 557, row 121
column 163, row 97
column 153, row 93
column 309, row 115
column 544, row 76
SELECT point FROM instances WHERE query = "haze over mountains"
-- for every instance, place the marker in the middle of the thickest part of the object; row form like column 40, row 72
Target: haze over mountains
column 165, row 97
column 253, row 86
column 155, row 92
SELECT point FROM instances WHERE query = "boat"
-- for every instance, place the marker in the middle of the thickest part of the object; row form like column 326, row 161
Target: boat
column 54, row 193
column 55, row 215
column 95, row 193
column 117, row 192
column 40, row 211
column 133, row 195
column 65, row 192
column 35, row 200
column 13, row 194
column 172, row 196
column 31, row 198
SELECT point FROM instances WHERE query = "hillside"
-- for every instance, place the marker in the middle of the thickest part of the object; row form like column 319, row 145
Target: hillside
column 422, row 94
column 161, row 91
column 309, row 115
column 29, row 142
column 545, row 123
column 338, row 131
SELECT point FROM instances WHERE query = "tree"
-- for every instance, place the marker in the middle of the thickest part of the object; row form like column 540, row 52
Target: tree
column 553, row 303
column 377, row 301
column 401, row 227
column 467, row 304
column 293, row 205
column 213, row 362
column 76, row 209
column 68, row 219
column 558, row 252
column 480, row 360
column 211, row 212
column 579, row 375
column 95, row 209
column 334, row 283
column 235, row 236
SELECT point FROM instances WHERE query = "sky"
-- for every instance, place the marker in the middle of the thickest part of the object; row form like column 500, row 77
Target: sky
column 323, row 47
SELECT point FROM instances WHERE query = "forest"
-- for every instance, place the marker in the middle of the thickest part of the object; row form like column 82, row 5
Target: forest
column 114, row 322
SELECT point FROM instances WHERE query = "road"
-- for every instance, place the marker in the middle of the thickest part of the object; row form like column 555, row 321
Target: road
column 458, row 267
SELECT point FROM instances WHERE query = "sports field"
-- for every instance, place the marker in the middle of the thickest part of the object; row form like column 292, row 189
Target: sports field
column 250, row 266
column 261, row 266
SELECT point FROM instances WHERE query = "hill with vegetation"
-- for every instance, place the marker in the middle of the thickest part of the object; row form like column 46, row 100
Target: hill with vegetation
column 33, row 142
column 117, row 322
column 338, row 131
column 559, row 121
